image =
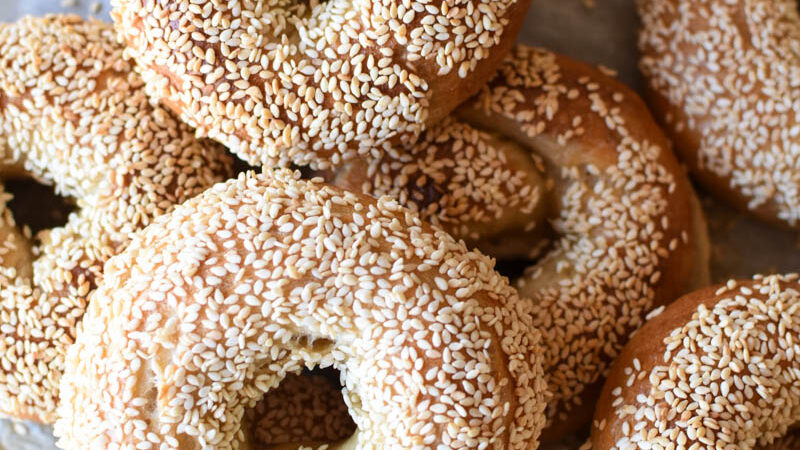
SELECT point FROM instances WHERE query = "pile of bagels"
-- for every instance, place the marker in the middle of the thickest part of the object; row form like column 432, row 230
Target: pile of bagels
column 289, row 216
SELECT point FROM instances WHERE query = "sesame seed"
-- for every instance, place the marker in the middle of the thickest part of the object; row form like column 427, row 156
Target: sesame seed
column 688, row 398
column 74, row 114
column 610, row 239
column 417, row 58
column 726, row 70
column 494, row 348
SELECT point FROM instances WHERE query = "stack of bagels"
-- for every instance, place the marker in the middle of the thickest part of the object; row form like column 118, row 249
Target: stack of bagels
column 337, row 286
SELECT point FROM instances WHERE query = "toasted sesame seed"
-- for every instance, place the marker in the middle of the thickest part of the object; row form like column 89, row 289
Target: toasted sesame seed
column 494, row 345
column 74, row 114
column 616, row 231
column 728, row 376
column 727, row 72
column 377, row 73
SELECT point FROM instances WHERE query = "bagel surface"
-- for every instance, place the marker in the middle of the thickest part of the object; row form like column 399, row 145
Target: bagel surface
column 716, row 369
column 315, row 83
column 74, row 115
column 722, row 80
column 556, row 161
column 213, row 305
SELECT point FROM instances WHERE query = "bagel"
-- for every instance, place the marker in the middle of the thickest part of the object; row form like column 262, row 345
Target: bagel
column 716, row 369
column 74, row 115
column 721, row 78
column 211, row 306
column 315, row 83
column 553, row 158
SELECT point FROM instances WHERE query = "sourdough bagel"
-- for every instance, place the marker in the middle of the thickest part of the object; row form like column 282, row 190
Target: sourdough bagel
column 314, row 82
column 716, row 369
column 553, row 158
column 213, row 305
column 722, row 80
column 74, row 115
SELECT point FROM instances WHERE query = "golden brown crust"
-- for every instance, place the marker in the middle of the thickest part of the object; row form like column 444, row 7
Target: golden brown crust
column 789, row 442
column 720, row 79
column 303, row 408
column 213, row 305
column 619, row 158
column 553, row 152
column 715, row 369
column 478, row 186
column 315, row 83
column 74, row 115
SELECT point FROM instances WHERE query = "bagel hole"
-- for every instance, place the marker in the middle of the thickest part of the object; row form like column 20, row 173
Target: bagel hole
column 306, row 408
column 509, row 263
column 37, row 206
column 512, row 268
column 240, row 166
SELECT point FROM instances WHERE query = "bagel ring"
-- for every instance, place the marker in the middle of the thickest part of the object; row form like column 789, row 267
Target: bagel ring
column 74, row 115
column 260, row 276
column 554, row 143
column 719, row 368
column 316, row 83
column 722, row 80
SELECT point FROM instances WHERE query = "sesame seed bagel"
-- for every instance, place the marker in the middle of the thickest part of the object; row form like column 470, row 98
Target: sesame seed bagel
column 262, row 276
column 315, row 83
column 722, row 81
column 73, row 114
column 554, row 158
column 718, row 369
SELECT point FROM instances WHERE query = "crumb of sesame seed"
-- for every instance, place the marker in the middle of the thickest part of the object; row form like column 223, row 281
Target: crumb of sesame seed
column 19, row 428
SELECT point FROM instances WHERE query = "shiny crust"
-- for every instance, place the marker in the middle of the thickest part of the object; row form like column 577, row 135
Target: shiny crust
column 315, row 83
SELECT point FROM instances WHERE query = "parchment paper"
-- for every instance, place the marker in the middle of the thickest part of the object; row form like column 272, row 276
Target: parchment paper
column 604, row 34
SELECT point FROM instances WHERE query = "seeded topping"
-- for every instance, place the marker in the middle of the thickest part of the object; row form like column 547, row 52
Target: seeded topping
column 729, row 72
column 620, row 213
column 312, row 82
column 724, row 374
column 73, row 114
column 477, row 185
column 261, row 276
column 550, row 136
